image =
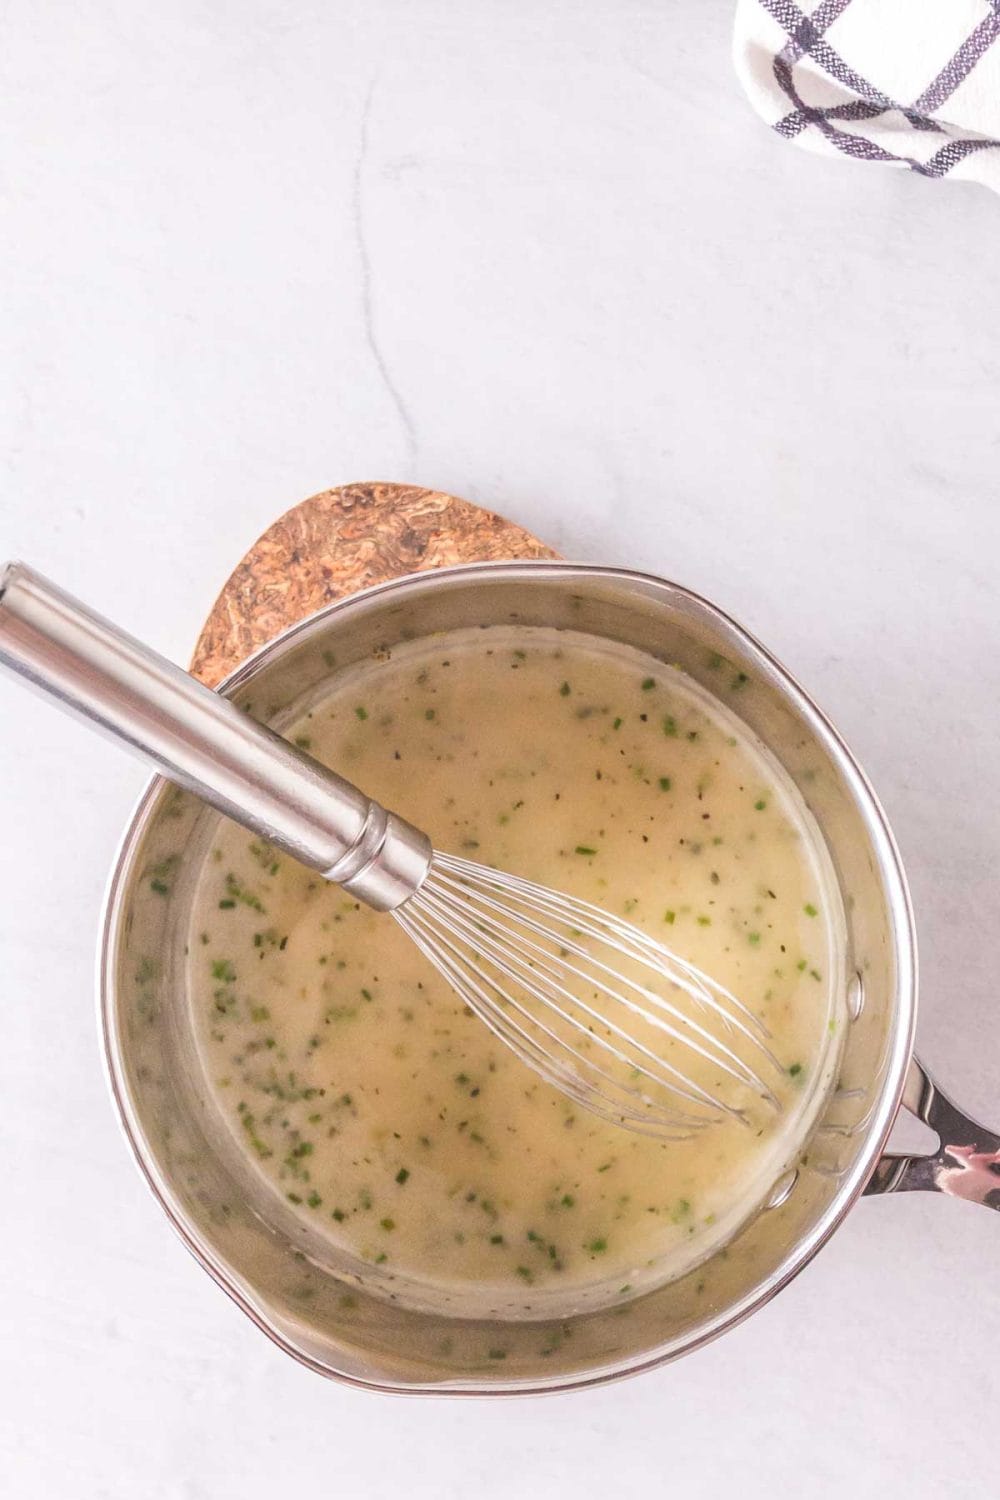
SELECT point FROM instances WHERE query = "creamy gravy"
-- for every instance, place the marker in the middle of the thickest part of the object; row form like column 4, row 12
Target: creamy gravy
column 387, row 1116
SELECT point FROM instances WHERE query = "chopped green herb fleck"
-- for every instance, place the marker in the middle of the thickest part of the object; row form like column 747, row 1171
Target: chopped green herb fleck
column 402, row 1175
column 362, row 713
column 162, row 873
column 564, row 690
column 795, row 1070
column 598, row 1246
column 665, row 783
column 648, row 683
column 670, row 917
column 585, row 849
column 810, row 910
column 237, row 891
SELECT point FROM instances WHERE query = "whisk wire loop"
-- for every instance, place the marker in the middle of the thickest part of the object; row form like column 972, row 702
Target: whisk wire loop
column 544, row 972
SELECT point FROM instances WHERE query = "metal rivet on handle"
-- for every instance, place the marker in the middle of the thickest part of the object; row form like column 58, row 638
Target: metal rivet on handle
column 855, row 997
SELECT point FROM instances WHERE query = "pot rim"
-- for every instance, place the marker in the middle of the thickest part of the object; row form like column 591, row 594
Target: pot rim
column 903, row 936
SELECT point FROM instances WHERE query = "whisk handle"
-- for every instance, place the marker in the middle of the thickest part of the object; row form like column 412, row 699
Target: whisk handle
column 203, row 742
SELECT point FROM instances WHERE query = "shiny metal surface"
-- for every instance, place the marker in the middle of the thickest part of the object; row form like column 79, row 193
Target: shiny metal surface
column 203, row 743
column 966, row 1163
column 348, row 1320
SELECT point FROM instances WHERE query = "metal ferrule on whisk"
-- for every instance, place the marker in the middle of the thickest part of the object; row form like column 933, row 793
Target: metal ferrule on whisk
column 387, row 864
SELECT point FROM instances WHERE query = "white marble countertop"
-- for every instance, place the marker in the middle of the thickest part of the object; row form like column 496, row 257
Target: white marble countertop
column 543, row 256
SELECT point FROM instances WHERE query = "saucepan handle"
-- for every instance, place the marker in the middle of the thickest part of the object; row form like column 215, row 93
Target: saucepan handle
column 966, row 1163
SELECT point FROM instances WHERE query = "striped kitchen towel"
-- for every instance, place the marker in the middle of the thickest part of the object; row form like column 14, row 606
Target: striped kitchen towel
column 914, row 83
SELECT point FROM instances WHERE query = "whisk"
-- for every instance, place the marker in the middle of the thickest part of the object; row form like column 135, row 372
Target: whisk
column 617, row 1021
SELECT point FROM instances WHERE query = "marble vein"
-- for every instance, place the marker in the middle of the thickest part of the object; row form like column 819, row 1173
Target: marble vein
column 367, row 280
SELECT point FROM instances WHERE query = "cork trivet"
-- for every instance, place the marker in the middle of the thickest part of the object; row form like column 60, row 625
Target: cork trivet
column 340, row 541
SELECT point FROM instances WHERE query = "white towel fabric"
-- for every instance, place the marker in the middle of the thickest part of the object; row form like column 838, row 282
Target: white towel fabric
column 912, row 83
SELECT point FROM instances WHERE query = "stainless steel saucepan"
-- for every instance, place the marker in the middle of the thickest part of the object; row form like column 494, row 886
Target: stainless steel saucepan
column 314, row 1303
